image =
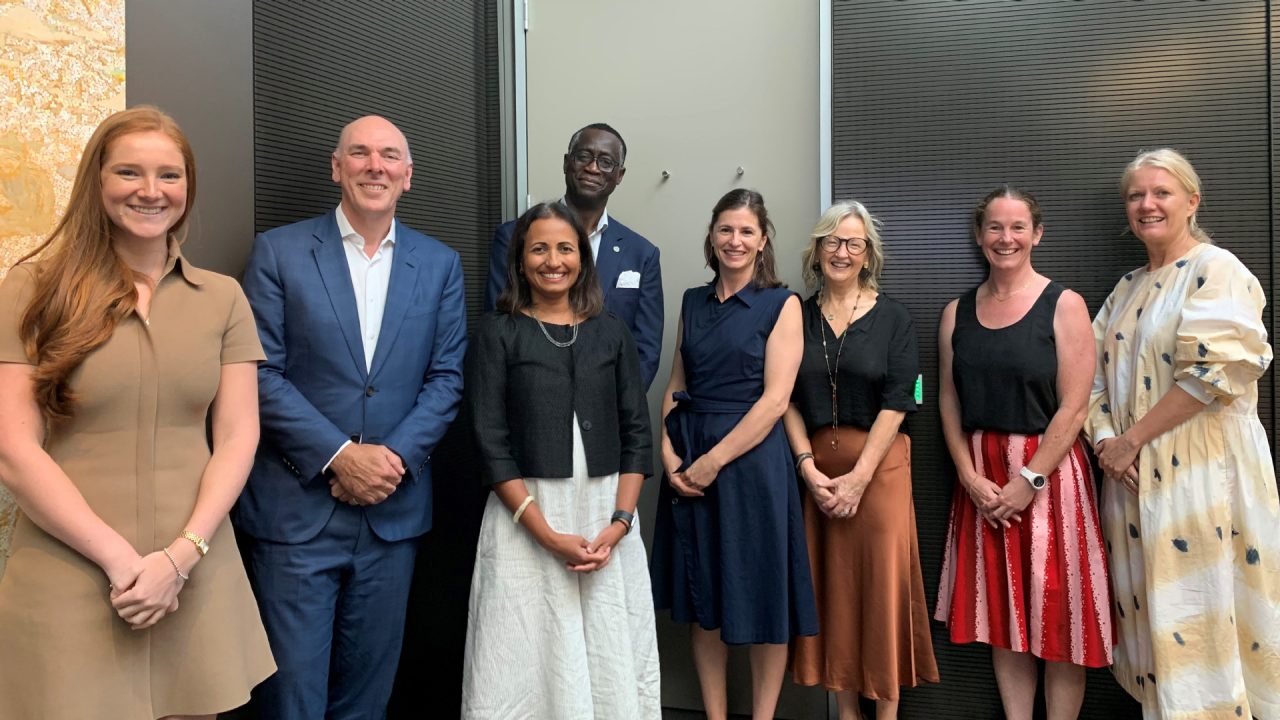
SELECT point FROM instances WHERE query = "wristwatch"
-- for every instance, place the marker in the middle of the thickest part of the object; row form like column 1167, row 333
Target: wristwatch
column 1037, row 480
column 628, row 519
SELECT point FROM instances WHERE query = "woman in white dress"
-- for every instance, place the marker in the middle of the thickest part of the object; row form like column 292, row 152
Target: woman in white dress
column 561, row 621
column 1189, row 507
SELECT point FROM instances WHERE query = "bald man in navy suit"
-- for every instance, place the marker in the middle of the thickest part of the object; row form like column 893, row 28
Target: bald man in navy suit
column 364, row 328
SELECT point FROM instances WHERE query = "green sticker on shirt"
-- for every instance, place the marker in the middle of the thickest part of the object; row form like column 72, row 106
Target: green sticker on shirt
column 919, row 389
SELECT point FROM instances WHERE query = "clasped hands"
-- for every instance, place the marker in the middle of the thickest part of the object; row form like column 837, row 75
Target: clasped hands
column 693, row 480
column 1118, row 458
column 1000, row 506
column 581, row 555
column 365, row 474
column 837, row 497
column 144, row 589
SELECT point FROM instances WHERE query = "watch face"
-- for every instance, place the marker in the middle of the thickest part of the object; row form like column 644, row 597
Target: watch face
column 1039, row 482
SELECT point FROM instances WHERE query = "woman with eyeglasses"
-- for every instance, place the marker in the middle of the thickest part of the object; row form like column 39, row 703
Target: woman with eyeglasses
column 1024, row 569
column 728, row 548
column 855, row 387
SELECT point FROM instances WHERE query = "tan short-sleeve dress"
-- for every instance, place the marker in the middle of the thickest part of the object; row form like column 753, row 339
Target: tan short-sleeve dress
column 136, row 449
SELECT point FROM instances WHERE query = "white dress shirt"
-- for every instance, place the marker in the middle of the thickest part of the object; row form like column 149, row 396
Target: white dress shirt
column 370, row 277
column 593, row 236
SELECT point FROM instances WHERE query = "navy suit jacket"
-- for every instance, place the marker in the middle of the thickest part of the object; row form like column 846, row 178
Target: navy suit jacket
column 621, row 249
column 315, row 393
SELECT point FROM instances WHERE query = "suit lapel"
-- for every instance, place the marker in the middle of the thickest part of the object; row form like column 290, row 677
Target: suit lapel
column 404, row 279
column 608, row 259
column 331, row 260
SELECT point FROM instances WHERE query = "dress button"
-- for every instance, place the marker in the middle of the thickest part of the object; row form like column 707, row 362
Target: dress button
column 586, row 425
column 370, row 391
column 675, row 501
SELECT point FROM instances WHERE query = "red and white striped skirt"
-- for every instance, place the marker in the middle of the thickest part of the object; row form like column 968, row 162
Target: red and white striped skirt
column 1040, row 585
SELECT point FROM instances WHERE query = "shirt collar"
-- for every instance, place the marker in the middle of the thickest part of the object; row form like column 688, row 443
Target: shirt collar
column 746, row 295
column 184, row 267
column 601, row 225
column 349, row 233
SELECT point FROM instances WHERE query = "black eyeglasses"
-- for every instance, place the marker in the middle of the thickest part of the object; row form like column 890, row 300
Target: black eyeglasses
column 583, row 158
column 855, row 246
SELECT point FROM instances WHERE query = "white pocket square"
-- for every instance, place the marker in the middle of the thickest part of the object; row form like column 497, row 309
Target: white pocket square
column 628, row 279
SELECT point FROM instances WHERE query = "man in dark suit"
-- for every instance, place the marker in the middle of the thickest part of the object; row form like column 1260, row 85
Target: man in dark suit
column 364, row 328
column 626, row 263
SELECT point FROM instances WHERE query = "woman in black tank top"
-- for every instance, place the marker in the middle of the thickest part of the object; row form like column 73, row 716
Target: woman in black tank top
column 1024, row 569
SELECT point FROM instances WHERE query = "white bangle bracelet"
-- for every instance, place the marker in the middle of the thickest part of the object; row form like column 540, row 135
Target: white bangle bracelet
column 515, row 518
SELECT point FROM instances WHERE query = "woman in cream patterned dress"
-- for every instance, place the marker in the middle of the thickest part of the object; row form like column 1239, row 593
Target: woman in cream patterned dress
column 1190, row 509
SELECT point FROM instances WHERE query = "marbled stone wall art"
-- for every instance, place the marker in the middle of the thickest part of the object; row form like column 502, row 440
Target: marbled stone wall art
column 61, row 72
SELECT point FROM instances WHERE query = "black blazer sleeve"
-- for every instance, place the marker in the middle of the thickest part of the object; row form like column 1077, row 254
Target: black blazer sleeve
column 633, row 408
column 486, row 397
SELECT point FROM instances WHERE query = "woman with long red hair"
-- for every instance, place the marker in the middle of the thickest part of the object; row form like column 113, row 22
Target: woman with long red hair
column 125, row 596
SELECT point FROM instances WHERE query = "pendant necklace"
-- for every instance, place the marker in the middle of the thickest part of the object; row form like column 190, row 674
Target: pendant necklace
column 833, row 373
column 547, row 335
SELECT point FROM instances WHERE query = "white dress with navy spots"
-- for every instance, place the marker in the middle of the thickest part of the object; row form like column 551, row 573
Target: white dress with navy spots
column 1195, row 557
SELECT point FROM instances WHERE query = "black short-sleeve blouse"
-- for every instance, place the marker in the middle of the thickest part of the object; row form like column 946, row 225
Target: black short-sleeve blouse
column 878, row 366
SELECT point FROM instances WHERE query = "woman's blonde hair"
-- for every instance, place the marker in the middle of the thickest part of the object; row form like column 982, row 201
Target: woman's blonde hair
column 82, row 287
column 1177, row 165
column 868, row 276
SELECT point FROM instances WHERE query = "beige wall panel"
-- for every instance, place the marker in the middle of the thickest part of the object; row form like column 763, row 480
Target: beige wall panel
column 698, row 89
column 61, row 73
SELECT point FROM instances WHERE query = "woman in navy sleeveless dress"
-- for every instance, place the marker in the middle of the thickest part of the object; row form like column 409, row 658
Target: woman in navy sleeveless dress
column 729, row 551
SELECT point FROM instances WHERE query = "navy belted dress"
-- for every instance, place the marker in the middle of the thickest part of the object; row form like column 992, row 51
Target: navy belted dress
column 735, row 558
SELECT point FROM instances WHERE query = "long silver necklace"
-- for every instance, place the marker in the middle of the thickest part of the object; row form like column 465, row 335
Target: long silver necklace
column 547, row 335
column 833, row 373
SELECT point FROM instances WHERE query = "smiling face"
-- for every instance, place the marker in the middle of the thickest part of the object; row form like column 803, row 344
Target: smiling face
column 843, row 265
column 144, row 186
column 587, row 185
column 1008, row 233
column 737, row 238
column 373, row 167
column 1160, row 209
column 551, row 261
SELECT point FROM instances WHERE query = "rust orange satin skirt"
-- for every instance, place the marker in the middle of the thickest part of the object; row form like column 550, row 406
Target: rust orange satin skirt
column 874, row 636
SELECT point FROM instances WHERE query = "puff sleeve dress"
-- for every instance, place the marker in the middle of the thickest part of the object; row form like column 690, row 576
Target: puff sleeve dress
column 1195, row 555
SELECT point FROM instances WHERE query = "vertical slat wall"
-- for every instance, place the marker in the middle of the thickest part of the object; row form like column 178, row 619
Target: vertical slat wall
column 431, row 67
column 427, row 66
column 935, row 102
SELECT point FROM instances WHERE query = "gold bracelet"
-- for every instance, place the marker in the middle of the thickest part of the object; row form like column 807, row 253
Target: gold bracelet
column 201, row 544
column 520, row 510
column 174, row 563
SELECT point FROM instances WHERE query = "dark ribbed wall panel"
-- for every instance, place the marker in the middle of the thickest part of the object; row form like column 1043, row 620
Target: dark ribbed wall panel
column 935, row 102
column 427, row 66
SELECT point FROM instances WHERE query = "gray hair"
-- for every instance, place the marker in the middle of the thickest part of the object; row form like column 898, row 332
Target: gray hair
column 868, row 276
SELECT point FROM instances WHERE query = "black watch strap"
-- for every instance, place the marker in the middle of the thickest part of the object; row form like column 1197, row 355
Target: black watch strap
column 628, row 519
